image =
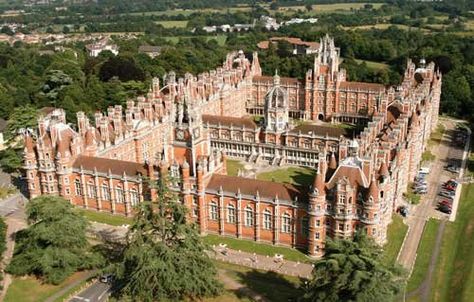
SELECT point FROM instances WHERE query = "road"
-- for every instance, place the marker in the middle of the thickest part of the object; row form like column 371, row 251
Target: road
column 427, row 207
column 97, row 292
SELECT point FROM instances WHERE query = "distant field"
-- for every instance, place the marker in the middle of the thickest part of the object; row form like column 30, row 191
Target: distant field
column 384, row 26
column 374, row 65
column 187, row 12
column 170, row 24
column 328, row 8
column 221, row 39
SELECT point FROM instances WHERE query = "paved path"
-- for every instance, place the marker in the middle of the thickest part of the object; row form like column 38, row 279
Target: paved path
column 427, row 207
column 63, row 291
column 96, row 292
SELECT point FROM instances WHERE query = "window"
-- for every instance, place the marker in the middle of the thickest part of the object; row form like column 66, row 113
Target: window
column 305, row 226
column 67, row 192
column 267, row 220
column 91, row 192
column 318, row 222
column 195, row 202
column 213, row 211
column 316, row 236
column 105, row 192
column 248, row 216
column 230, row 213
column 341, row 227
column 66, row 180
column 119, row 198
column 342, row 199
column 77, row 187
column 286, row 223
column 133, row 197
column 195, row 212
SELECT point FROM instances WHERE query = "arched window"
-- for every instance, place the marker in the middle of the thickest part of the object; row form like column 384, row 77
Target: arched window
column 119, row 198
column 248, row 216
column 78, row 187
column 381, row 194
column 213, row 211
column 286, row 223
column 133, row 197
column 267, row 220
column 105, row 192
column 230, row 213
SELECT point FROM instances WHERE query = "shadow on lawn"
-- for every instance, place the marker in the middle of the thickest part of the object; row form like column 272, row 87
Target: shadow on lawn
column 272, row 286
column 303, row 178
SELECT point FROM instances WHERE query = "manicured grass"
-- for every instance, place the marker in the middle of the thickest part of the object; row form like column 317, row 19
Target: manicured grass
column 294, row 175
column 273, row 286
column 411, row 196
column 454, row 273
column 258, row 248
column 171, row 23
column 374, row 65
column 30, row 289
column 233, row 167
column 395, row 235
column 106, row 218
column 423, row 257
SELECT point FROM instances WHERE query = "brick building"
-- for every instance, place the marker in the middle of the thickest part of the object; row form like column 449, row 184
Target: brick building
column 187, row 128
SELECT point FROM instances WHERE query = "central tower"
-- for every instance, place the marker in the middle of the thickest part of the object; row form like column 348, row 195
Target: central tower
column 276, row 107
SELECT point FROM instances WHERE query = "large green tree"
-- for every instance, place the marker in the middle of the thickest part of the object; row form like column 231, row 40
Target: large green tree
column 353, row 271
column 22, row 117
column 165, row 258
column 54, row 245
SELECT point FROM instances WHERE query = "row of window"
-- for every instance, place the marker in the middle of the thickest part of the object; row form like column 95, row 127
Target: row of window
column 91, row 192
column 249, row 215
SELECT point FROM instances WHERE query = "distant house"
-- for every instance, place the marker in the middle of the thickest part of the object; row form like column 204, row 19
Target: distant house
column 299, row 21
column 151, row 51
column 300, row 47
column 270, row 23
column 94, row 49
column 210, row 29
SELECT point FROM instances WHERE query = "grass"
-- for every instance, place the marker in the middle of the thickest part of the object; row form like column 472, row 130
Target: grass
column 454, row 272
column 327, row 8
column 383, row 26
column 412, row 196
column 233, row 167
column 30, row 289
column 423, row 256
column 106, row 218
column 171, row 23
column 273, row 286
column 395, row 235
column 436, row 136
column 427, row 156
column 221, row 38
column 294, row 175
column 374, row 65
column 5, row 192
column 258, row 248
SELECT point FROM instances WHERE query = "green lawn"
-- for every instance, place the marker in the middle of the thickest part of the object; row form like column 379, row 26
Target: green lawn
column 326, row 8
column 374, row 65
column 454, row 273
column 427, row 156
column 30, row 289
column 395, row 235
column 233, row 167
column 274, row 287
column 423, row 256
column 106, row 218
column 436, row 136
column 258, row 248
column 411, row 196
column 171, row 23
column 294, row 175
column 221, row 38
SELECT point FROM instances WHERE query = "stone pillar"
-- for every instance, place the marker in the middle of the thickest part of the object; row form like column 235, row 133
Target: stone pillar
column 221, row 212
column 201, row 201
column 276, row 222
column 97, row 191
column 257, row 219
column 84, row 189
column 127, row 195
column 112, row 194
column 294, row 227
column 239, row 215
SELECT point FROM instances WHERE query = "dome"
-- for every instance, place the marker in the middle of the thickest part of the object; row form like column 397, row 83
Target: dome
column 276, row 97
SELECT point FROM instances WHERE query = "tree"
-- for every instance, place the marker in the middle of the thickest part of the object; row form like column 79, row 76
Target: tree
column 165, row 259
column 54, row 245
column 56, row 81
column 353, row 271
column 22, row 117
column 122, row 67
column 10, row 160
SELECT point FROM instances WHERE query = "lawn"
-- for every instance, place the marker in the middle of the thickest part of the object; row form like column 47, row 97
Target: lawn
column 427, row 156
column 171, row 23
column 423, row 257
column 454, row 272
column 436, row 136
column 374, row 65
column 258, row 248
column 274, row 287
column 106, row 218
column 327, row 8
column 233, row 167
column 412, row 196
column 221, row 38
column 395, row 235
column 30, row 289
column 294, row 175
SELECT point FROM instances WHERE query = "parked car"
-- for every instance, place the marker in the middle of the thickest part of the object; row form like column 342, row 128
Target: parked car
column 445, row 209
column 403, row 211
column 445, row 203
column 449, row 197
column 106, row 278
